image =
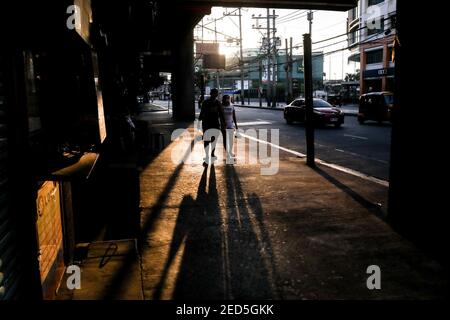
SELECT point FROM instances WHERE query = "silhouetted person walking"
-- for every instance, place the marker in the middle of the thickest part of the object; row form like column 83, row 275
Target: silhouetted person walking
column 230, row 127
column 213, row 120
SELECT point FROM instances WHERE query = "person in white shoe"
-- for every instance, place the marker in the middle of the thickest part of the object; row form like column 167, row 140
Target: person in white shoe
column 230, row 126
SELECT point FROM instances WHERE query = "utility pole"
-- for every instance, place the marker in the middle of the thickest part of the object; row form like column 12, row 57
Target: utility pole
column 271, row 57
column 215, row 30
column 286, row 68
column 242, row 58
column 202, row 29
column 289, row 71
column 260, row 83
column 310, row 152
column 218, row 79
column 215, row 38
column 274, row 62
column 310, row 19
column 241, row 51
column 291, row 92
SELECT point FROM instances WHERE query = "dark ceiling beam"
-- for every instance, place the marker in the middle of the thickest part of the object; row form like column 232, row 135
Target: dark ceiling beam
column 337, row 5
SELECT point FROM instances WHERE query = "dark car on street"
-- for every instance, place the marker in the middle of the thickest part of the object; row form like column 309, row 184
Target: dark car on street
column 376, row 106
column 324, row 113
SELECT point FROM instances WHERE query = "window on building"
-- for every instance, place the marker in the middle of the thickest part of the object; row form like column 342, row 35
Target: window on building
column 353, row 14
column 393, row 21
column 374, row 2
column 375, row 26
column 353, row 37
column 375, row 56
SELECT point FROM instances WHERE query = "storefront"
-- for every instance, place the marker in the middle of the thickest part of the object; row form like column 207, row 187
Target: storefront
column 377, row 80
column 52, row 128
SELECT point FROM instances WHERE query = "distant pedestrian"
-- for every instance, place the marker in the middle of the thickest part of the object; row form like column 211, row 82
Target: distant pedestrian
column 213, row 121
column 230, row 127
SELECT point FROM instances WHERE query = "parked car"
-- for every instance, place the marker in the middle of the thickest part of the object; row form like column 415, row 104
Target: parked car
column 324, row 113
column 376, row 106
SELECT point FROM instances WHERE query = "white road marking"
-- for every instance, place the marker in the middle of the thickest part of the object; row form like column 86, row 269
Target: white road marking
column 356, row 137
column 298, row 154
column 355, row 173
column 324, row 163
column 253, row 123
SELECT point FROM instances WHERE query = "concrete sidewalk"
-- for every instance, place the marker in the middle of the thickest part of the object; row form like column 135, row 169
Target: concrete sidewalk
column 227, row 232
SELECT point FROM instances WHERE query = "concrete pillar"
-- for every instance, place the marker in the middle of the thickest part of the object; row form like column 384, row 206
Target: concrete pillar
column 416, row 200
column 183, row 98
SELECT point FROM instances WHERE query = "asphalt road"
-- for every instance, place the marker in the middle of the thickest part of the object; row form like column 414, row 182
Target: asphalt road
column 365, row 148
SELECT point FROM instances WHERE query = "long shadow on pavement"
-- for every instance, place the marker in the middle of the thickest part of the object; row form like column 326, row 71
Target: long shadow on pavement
column 226, row 251
column 372, row 207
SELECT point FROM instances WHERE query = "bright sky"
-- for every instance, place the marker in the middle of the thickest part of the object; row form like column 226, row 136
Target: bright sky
column 290, row 23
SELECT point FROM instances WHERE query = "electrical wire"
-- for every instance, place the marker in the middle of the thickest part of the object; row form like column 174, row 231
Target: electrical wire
column 296, row 16
column 249, row 68
column 289, row 14
column 217, row 19
column 221, row 33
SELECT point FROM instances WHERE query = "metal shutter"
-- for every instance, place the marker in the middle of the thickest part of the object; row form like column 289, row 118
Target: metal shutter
column 9, row 264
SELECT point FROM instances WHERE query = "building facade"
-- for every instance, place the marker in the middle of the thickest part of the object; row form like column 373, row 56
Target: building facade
column 371, row 36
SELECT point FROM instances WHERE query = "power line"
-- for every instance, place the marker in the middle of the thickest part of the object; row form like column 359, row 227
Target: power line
column 332, row 25
column 224, row 16
column 316, row 54
column 250, row 68
column 289, row 14
column 344, row 34
column 225, row 35
column 295, row 18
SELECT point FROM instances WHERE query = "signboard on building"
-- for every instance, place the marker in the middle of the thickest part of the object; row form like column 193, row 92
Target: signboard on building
column 214, row 61
column 206, row 48
column 379, row 73
column 50, row 237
